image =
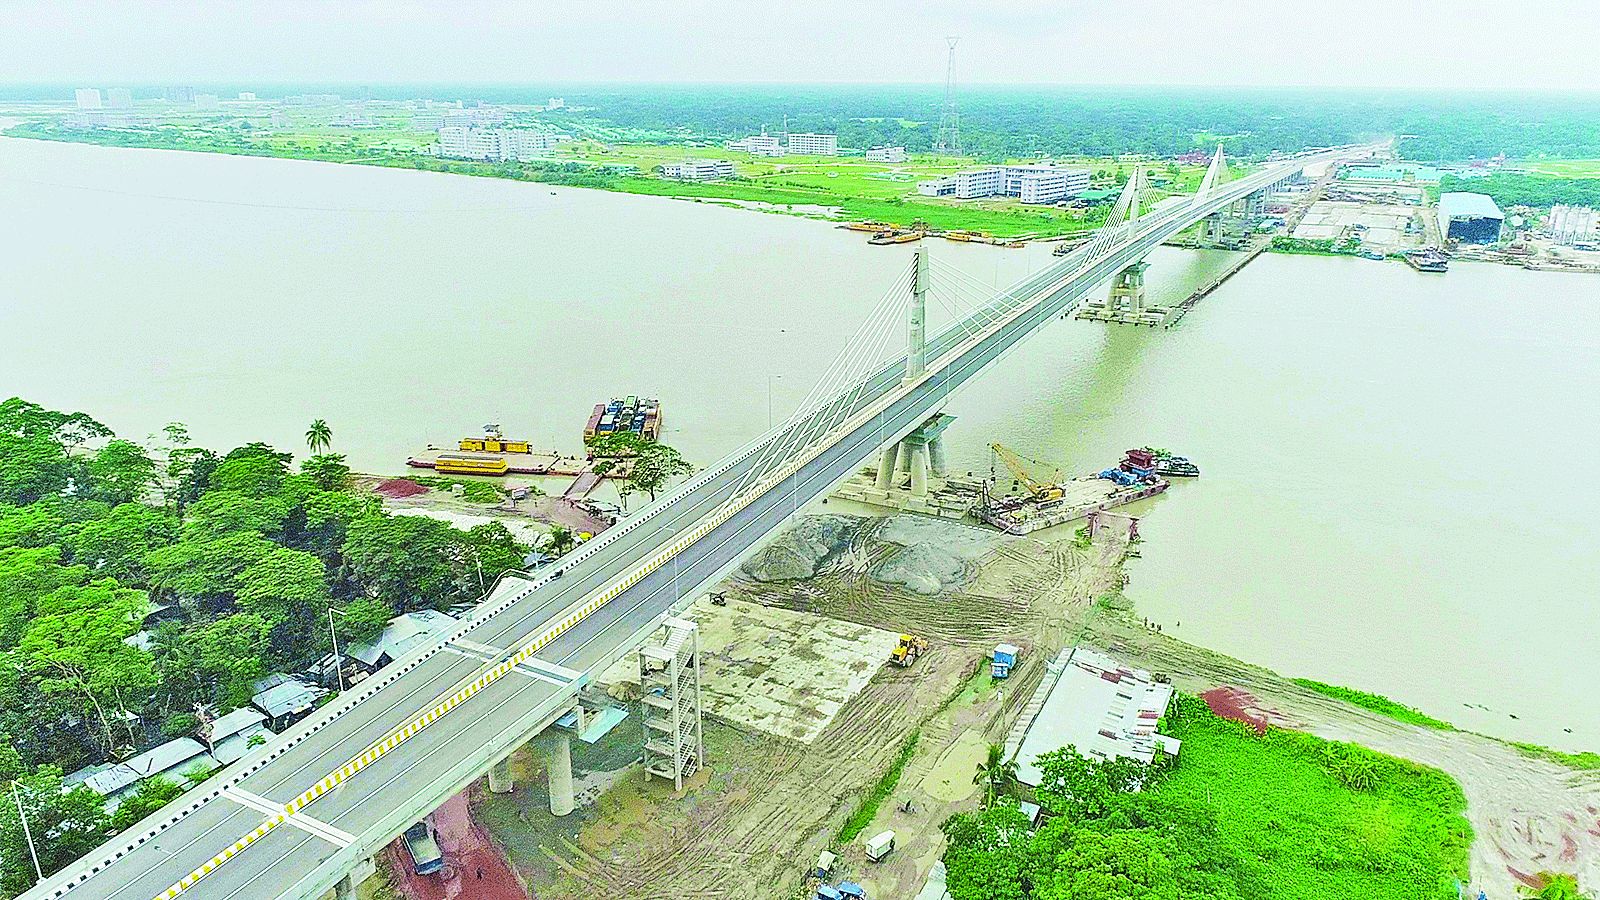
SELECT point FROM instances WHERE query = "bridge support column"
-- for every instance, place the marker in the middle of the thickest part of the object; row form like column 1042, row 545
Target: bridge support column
column 560, row 766
column 936, row 457
column 345, row 889
column 1127, row 289
column 918, row 463
column 887, row 461
column 500, row 777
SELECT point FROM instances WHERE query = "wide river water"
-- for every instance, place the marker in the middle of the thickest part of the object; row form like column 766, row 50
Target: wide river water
column 1394, row 494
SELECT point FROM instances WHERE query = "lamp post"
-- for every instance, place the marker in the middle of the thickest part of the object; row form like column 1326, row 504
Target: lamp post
column 769, row 399
column 334, row 635
column 27, row 833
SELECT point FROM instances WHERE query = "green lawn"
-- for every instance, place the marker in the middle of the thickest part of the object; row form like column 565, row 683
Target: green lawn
column 1377, row 703
column 1565, row 168
column 1299, row 832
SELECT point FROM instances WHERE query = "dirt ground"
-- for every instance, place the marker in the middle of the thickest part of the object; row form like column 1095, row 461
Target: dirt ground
column 753, row 822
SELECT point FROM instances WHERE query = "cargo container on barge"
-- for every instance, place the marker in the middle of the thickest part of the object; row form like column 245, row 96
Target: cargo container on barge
column 640, row 415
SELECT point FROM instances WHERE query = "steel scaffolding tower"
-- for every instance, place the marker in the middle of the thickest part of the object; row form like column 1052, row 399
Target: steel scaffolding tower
column 669, row 675
column 949, row 121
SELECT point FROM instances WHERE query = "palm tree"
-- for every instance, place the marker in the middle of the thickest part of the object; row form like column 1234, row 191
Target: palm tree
column 996, row 774
column 319, row 437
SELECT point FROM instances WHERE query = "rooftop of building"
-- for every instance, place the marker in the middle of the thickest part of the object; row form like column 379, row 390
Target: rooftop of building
column 1100, row 707
column 1470, row 205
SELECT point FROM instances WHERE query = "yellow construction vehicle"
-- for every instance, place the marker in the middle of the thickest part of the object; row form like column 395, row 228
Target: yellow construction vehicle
column 907, row 649
column 1042, row 491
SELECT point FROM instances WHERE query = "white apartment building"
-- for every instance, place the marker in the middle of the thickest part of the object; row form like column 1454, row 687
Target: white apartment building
column 119, row 98
column 762, row 144
column 698, row 169
column 494, row 144
column 814, row 144
column 1044, row 184
column 555, row 103
column 887, row 154
column 88, row 98
column 247, row 96
column 1030, row 184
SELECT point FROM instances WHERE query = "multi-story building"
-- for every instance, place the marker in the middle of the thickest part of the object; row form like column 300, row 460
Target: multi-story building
column 698, row 169
column 814, row 144
column 1044, row 184
column 887, row 154
column 88, row 98
column 119, row 98
column 762, row 144
column 494, row 144
column 1030, row 184
column 247, row 96
column 555, row 103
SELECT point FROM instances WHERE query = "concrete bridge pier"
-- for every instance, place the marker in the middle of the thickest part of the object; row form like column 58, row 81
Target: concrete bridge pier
column 559, row 763
column 888, row 460
column 917, row 463
column 1127, row 289
column 500, row 777
column 345, row 889
column 936, row 457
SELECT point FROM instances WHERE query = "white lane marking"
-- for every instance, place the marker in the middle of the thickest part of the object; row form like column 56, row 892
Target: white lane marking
column 314, row 827
column 521, row 669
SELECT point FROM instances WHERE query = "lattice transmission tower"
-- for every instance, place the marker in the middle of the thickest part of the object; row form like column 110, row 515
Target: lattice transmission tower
column 949, row 119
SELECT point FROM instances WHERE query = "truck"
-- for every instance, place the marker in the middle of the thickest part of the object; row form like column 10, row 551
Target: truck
column 426, row 858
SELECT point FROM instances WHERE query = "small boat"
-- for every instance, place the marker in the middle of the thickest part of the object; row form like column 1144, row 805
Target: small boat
column 895, row 237
column 1428, row 260
column 1170, row 465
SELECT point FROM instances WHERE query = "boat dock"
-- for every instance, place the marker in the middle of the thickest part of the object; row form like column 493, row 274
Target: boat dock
column 1257, row 246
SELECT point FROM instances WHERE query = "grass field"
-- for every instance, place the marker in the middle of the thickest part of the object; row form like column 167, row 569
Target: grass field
column 1565, row 168
column 1377, row 703
column 1299, row 830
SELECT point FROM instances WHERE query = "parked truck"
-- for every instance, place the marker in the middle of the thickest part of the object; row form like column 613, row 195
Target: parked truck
column 426, row 858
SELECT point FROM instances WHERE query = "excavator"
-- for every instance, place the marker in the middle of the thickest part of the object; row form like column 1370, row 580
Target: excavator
column 1042, row 491
column 907, row 649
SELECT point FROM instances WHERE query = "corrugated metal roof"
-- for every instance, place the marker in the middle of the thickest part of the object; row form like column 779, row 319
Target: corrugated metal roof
column 1467, row 204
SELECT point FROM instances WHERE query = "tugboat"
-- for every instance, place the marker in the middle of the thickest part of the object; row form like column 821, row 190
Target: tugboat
column 1169, row 465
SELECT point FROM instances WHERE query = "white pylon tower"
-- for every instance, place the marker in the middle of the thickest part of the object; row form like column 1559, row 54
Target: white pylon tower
column 949, row 119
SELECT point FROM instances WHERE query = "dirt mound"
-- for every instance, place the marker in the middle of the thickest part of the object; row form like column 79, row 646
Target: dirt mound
column 801, row 551
column 924, row 568
column 396, row 488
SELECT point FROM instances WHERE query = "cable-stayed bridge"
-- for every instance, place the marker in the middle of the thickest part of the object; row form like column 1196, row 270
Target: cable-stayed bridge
column 305, row 813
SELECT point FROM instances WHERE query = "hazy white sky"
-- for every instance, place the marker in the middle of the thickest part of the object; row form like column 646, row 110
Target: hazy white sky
column 1539, row 44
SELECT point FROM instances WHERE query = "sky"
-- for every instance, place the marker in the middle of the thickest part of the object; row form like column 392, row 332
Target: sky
column 1507, row 44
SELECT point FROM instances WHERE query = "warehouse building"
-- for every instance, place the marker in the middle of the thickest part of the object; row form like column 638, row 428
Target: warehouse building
column 1469, row 218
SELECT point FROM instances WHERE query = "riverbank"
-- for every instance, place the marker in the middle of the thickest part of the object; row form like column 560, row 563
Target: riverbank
column 780, row 193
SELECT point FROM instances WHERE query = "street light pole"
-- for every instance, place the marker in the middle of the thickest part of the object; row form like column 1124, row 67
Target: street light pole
column 27, row 833
column 335, row 636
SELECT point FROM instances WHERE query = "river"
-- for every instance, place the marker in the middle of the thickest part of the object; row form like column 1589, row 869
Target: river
column 1394, row 495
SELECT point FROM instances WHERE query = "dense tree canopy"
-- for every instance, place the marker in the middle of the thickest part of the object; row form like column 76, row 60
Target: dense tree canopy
column 96, row 531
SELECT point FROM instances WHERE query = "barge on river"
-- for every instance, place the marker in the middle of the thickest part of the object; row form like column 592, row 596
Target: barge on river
column 1044, row 505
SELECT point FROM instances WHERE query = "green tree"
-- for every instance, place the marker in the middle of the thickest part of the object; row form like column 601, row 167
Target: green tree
column 986, row 853
column 214, row 664
column 319, row 437
column 328, row 470
column 560, row 540
column 189, row 471
column 75, row 649
column 64, row 825
column 203, row 571
column 655, row 465
column 116, row 545
column 361, row 621
column 254, row 469
column 404, row 561
column 31, row 467
column 121, row 472
column 26, row 575
column 222, row 512
column 149, row 796
column 997, row 775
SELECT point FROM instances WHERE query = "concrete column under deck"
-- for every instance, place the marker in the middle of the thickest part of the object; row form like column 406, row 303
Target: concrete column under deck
column 500, row 777
column 886, row 466
column 937, row 458
column 560, row 766
column 919, row 469
column 345, row 889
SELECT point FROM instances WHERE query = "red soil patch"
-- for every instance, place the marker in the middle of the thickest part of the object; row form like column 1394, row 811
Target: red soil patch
column 396, row 488
column 474, row 867
column 1240, row 706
